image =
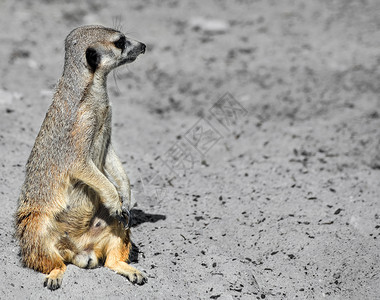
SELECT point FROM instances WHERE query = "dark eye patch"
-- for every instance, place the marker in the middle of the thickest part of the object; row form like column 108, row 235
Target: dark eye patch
column 93, row 58
column 120, row 43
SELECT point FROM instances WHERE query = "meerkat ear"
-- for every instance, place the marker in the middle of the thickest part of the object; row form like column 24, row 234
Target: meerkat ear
column 93, row 58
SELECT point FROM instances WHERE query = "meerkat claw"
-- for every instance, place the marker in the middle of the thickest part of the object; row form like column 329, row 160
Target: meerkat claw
column 53, row 284
column 127, row 215
column 125, row 218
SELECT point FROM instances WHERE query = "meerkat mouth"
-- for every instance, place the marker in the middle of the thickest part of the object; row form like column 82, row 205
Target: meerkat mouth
column 128, row 60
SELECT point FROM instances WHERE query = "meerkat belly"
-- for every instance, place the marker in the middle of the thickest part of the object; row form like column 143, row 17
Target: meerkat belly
column 80, row 196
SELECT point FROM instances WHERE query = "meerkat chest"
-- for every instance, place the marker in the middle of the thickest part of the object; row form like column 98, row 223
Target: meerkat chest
column 102, row 111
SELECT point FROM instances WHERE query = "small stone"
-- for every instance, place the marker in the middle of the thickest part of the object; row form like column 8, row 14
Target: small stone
column 209, row 26
column 5, row 97
column 32, row 64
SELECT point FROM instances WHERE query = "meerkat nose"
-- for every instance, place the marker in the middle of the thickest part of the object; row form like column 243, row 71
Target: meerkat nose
column 142, row 48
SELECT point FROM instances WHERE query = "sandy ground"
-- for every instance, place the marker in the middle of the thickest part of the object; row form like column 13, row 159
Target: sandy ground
column 249, row 129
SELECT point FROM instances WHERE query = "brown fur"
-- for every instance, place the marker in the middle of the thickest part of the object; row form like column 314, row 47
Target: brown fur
column 70, row 203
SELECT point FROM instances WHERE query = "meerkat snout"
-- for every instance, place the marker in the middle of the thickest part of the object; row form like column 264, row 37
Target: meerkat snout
column 134, row 49
column 142, row 48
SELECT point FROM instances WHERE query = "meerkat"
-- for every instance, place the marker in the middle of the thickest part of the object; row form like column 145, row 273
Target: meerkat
column 70, row 206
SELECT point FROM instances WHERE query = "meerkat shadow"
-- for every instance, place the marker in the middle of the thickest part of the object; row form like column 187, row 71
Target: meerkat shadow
column 139, row 217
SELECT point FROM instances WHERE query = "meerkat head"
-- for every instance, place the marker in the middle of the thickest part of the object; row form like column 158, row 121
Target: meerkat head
column 99, row 49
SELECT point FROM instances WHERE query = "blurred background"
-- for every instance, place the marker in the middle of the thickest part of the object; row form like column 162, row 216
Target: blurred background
column 282, row 203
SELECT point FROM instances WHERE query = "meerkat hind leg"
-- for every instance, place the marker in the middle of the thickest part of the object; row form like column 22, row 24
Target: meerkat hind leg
column 122, row 268
column 116, row 261
column 54, row 280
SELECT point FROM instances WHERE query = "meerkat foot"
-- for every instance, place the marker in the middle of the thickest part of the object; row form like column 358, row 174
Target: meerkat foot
column 132, row 274
column 54, row 280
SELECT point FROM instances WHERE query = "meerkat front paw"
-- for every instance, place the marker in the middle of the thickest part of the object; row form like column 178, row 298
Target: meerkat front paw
column 125, row 218
column 114, row 209
column 115, row 212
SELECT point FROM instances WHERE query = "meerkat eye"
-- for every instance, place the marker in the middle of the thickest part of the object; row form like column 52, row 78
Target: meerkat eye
column 121, row 43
